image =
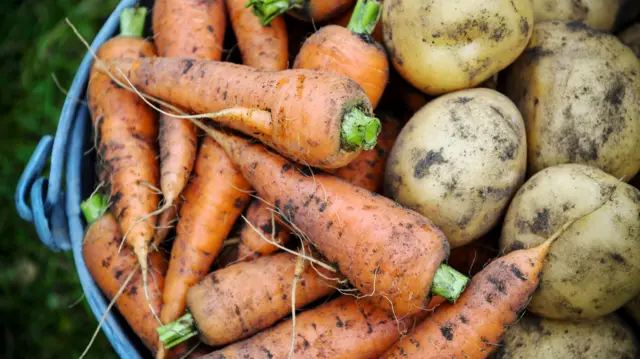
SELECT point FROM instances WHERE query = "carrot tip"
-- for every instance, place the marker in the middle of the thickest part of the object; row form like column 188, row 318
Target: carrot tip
column 94, row 207
column 132, row 21
column 267, row 10
column 359, row 130
column 448, row 283
column 177, row 331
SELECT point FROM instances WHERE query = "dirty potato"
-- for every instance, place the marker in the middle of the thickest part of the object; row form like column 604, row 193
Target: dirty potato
column 631, row 37
column 458, row 161
column 441, row 46
column 594, row 266
column 578, row 90
column 598, row 14
column 537, row 338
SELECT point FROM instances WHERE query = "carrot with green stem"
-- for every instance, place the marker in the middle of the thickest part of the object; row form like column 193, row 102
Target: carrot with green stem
column 213, row 200
column 244, row 298
column 382, row 248
column 262, row 46
column 191, row 29
column 473, row 327
column 118, row 271
column 367, row 171
column 317, row 118
column 307, row 10
column 350, row 51
column 126, row 130
column 344, row 328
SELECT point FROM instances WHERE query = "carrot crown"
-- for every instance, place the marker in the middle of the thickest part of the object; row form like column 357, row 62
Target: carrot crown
column 94, row 207
column 365, row 17
column 177, row 331
column 448, row 283
column 359, row 130
column 267, row 10
column 132, row 21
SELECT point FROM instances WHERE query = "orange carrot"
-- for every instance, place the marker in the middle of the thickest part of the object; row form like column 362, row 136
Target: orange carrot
column 166, row 221
column 307, row 10
column 213, row 200
column 472, row 327
column 350, row 51
column 344, row 328
column 261, row 46
column 367, row 171
column 244, row 298
column 264, row 222
column 193, row 29
column 111, row 268
column 318, row 118
column 382, row 248
column 126, row 130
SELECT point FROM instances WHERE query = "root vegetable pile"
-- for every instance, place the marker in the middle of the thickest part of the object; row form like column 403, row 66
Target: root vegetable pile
column 369, row 179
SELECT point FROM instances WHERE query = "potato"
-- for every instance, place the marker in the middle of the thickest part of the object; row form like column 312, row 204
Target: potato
column 458, row 161
column 441, row 46
column 537, row 338
column 578, row 90
column 593, row 267
column 631, row 37
column 603, row 15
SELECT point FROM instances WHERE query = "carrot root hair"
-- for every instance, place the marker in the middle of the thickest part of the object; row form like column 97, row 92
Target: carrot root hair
column 297, row 274
column 106, row 312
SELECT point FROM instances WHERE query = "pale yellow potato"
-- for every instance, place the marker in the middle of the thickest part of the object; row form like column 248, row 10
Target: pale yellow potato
column 631, row 37
column 603, row 15
column 458, row 161
column 578, row 90
column 593, row 268
column 537, row 338
column 599, row 14
column 441, row 46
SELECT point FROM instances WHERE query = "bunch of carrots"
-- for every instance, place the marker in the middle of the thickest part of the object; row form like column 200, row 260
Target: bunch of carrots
column 238, row 213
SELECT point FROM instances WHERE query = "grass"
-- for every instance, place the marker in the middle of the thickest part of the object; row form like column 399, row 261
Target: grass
column 39, row 287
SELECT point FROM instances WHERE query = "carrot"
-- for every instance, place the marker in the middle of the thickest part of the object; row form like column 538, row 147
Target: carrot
column 307, row 10
column 126, row 130
column 383, row 249
column 346, row 18
column 110, row 268
column 344, row 328
column 166, row 221
column 350, row 51
column 264, row 222
column 193, row 29
column 261, row 46
column 319, row 118
column 473, row 326
column 244, row 298
column 213, row 200
column 367, row 171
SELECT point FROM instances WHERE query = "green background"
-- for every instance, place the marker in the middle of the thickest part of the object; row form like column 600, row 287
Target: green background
column 43, row 312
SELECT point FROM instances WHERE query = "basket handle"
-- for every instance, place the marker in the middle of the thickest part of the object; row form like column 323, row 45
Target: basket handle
column 50, row 220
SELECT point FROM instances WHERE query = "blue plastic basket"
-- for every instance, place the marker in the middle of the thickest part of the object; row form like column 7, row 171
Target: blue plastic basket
column 56, row 214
